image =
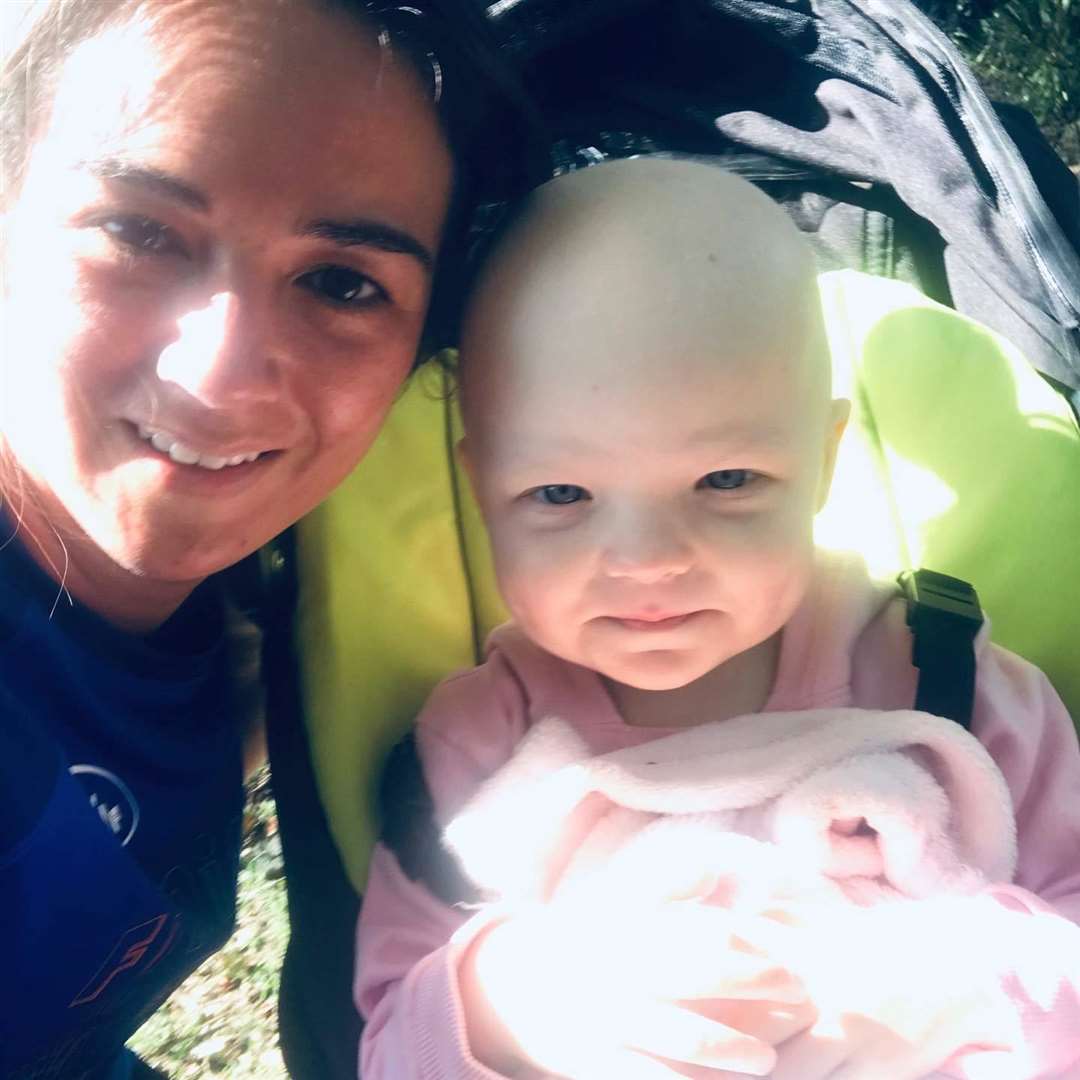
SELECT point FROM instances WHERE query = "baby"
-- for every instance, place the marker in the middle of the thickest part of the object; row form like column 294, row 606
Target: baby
column 650, row 431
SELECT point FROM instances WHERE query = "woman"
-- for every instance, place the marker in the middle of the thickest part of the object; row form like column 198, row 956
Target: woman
column 221, row 225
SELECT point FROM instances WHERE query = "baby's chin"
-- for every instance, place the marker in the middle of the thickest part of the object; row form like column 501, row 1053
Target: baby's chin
column 658, row 670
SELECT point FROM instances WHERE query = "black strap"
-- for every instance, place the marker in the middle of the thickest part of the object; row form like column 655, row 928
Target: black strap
column 944, row 616
column 318, row 1023
column 410, row 830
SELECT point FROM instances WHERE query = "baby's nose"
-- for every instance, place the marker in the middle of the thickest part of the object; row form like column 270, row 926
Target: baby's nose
column 648, row 554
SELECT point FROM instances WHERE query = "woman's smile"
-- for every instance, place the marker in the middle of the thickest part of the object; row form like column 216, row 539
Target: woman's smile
column 181, row 469
column 183, row 454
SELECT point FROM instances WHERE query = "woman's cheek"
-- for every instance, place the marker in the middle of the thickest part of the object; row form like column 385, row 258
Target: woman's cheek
column 354, row 393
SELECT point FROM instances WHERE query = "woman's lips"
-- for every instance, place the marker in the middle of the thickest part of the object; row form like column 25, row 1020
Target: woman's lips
column 202, row 477
column 178, row 450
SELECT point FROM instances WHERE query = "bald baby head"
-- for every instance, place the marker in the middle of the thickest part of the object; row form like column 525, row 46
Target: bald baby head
column 648, row 422
column 638, row 269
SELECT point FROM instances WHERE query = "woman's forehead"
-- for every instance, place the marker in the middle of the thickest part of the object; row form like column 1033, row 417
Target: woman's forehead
column 293, row 60
column 278, row 102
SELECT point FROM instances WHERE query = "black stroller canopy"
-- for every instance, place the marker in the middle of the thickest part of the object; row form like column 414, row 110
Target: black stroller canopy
column 860, row 114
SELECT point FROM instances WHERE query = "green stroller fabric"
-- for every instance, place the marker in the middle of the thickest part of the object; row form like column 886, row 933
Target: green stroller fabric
column 959, row 458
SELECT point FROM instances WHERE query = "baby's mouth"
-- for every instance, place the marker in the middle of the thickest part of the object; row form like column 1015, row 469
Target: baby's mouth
column 658, row 622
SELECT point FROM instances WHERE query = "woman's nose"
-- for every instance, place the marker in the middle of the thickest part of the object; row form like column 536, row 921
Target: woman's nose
column 219, row 356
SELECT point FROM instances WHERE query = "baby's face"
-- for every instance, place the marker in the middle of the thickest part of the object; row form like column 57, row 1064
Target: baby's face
column 652, row 531
column 649, row 461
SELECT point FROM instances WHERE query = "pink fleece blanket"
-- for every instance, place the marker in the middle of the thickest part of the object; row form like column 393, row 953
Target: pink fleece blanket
column 828, row 812
column 861, row 802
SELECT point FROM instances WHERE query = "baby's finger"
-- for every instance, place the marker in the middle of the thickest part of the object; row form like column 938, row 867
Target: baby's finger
column 864, row 1069
column 703, row 1072
column 626, row 1065
column 717, row 973
column 770, row 1021
column 766, row 936
column 701, row 860
column 988, row 1065
column 737, row 976
column 687, row 950
column 678, row 1034
column 807, row 1057
column 853, row 1048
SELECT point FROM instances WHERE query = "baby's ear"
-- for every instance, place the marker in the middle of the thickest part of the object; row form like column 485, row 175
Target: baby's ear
column 839, row 412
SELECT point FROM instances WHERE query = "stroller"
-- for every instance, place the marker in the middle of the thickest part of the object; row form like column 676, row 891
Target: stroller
column 927, row 207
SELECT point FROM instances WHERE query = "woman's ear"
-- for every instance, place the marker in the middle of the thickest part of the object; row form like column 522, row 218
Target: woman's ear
column 839, row 413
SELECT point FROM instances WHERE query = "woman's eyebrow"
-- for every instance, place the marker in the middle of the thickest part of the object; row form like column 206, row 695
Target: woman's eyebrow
column 358, row 232
column 154, row 180
column 362, row 232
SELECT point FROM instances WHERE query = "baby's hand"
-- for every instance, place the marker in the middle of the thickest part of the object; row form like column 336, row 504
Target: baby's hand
column 592, row 998
column 607, row 981
column 962, row 985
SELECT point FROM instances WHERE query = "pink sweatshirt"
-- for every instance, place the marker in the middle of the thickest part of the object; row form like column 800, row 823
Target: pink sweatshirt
column 847, row 645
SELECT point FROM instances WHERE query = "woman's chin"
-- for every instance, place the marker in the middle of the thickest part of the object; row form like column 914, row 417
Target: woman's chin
column 176, row 555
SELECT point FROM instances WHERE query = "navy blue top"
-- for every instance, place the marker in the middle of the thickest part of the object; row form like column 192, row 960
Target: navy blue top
column 120, row 804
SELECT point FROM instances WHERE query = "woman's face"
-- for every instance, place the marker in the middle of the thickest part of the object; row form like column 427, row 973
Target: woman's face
column 216, row 277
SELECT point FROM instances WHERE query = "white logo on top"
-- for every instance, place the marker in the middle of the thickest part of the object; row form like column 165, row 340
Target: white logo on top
column 112, row 799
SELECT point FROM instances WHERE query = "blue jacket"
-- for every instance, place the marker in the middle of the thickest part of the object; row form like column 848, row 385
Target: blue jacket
column 120, row 805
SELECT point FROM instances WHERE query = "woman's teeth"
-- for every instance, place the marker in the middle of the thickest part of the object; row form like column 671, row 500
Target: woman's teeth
column 184, row 455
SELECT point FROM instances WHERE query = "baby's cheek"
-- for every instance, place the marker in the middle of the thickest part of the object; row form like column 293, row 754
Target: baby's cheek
column 529, row 578
column 770, row 573
column 784, row 536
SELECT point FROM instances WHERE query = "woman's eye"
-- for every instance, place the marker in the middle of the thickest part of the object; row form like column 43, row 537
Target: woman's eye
column 143, row 235
column 341, row 285
column 559, row 494
column 726, row 479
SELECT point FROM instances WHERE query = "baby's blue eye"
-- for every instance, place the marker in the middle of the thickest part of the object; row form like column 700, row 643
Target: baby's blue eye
column 560, row 494
column 726, row 479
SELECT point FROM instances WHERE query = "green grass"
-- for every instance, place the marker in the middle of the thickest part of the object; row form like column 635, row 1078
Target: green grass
column 223, row 1020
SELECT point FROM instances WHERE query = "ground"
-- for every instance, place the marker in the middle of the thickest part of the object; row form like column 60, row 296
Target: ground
column 223, row 1020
